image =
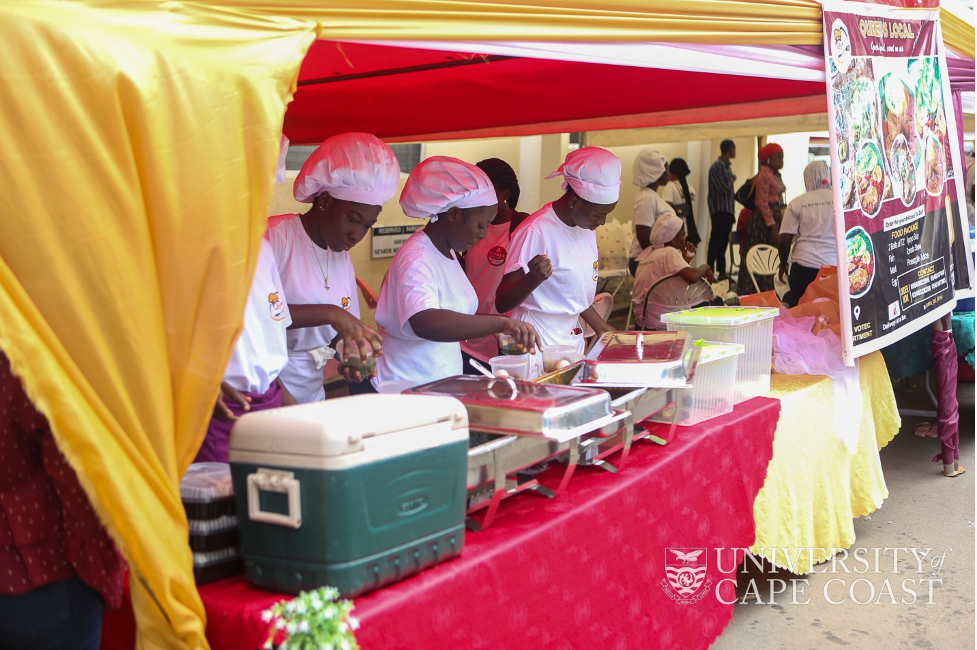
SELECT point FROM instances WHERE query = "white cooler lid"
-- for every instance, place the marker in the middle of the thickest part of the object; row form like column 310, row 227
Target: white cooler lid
column 338, row 426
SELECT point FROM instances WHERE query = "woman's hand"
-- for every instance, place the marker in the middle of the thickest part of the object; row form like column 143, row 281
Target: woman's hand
column 355, row 332
column 522, row 332
column 229, row 394
column 689, row 251
column 708, row 274
column 782, row 273
column 540, row 268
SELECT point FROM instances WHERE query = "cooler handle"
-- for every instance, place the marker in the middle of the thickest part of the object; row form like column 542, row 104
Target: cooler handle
column 275, row 480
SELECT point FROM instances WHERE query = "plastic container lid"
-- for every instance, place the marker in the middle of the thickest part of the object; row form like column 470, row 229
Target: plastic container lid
column 711, row 351
column 215, row 557
column 395, row 386
column 720, row 316
column 205, row 482
column 210, row 526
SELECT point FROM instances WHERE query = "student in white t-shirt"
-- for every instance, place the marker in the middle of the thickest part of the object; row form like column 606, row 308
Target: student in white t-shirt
column 680, row 195
column 551, row 274
column 649, row 173
column 485, row 261
column 346, row 180
column 664, row 258
column 427, row 305
column 808, row 225
column 251, row 380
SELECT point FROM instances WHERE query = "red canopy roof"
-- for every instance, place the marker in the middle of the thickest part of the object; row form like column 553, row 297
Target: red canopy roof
column 401, row 93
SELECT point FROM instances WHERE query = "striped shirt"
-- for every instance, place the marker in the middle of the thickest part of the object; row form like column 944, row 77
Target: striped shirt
column 721, row 190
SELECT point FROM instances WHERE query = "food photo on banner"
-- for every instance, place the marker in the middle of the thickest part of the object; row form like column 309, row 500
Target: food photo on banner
column 897, row 172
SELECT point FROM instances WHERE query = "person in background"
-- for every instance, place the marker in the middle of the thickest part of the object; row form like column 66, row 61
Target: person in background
column 721, row 207
column 346, row 180
column 59, row 568
column 485, row 261
column 251, row 380
column 681, row 196
column 427, row 305
column 650, row 171
column 662, row 259
column 809, row 217
column 970, row 190
column 551, row 273
column 763, row 225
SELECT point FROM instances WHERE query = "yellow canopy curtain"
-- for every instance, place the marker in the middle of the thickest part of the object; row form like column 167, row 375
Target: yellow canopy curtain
column 139, row 144
column 138, row 158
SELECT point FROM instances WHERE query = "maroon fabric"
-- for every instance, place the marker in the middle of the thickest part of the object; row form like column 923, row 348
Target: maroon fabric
column 947, row 410
column 585, row 570
column 215, row 446
column 48, row 530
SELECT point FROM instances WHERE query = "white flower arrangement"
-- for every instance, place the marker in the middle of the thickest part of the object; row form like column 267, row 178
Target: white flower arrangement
column 314, row 620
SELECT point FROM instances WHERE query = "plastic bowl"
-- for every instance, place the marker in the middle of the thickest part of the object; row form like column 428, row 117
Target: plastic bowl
column 559, row 356
column 514, row 366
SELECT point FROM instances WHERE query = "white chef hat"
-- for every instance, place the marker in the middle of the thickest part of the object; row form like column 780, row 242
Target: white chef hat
column 666, row 227
column 356, row 167
column 440, row 183
column 817, row 176
column 649, row 165
column 594, row 174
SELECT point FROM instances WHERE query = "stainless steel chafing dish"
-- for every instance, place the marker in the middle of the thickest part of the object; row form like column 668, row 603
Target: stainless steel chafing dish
column 639, row 360
column 523, row 408
column 534, row 423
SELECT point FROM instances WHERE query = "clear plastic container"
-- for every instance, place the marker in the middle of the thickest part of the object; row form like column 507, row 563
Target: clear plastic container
column 508, row 345
column 366, row 366
column 206, row 491
column 713, row 385
column 217, row 565
column 559, row 356
column 751, row 327
column 213, row 534
column 514, row 366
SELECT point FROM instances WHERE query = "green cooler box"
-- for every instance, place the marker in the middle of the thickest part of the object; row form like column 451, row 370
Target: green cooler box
column 353, row 493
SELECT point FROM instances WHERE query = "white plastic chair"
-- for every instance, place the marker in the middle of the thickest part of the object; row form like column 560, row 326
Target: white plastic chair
column 764, row 260
column 671, row 294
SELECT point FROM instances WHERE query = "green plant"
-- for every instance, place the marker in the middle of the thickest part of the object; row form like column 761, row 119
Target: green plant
column 313, row 620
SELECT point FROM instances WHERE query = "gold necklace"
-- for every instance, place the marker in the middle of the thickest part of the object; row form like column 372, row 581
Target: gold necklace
column 325, row 276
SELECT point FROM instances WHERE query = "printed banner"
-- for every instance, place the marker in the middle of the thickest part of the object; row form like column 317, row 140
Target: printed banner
column 897, row 174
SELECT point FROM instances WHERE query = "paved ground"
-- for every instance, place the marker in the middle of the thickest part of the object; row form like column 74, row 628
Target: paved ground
column 923, row 511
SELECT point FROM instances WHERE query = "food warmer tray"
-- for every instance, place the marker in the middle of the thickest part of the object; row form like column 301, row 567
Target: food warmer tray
column 535, row 423
column 641, row 402
column 640, row 360
column 522, row 408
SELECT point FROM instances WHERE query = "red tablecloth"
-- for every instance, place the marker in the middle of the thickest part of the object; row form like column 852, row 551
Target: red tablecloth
column 581, row 571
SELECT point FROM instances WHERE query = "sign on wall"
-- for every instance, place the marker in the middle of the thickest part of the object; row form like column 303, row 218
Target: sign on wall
column 896, row 171
column 387, row 240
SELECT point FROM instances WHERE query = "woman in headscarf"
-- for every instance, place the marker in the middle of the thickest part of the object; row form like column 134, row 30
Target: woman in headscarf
column 809, row 217
column 681, row 196
column 551, row 272
column 650, row 171
column 763, row 225
column 346, row 180
column 427, row 305
column 664, row 258
column 485, row 261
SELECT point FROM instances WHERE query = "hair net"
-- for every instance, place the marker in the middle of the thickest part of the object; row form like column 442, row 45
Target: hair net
column 665, row 229
column 441, row 183
column 351, row 167
column 594, row 174
column 648, row 167
column 771, row 149
column 817, row 176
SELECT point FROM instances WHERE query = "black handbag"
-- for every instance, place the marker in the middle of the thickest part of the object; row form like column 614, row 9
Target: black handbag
column 746, row 195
